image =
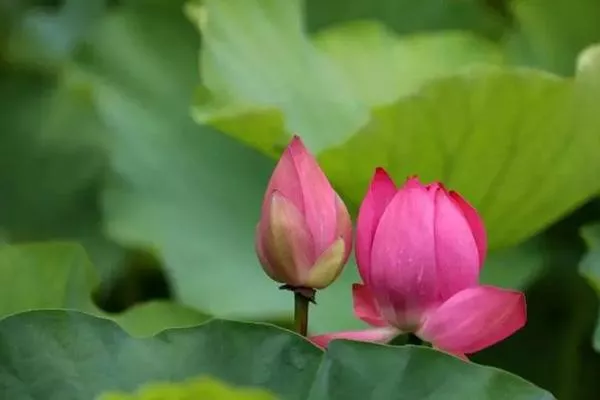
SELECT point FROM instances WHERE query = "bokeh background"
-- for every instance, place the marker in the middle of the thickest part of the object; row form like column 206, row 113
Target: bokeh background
column 145, row 131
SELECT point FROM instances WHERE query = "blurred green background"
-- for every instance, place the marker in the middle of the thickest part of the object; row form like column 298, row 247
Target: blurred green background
column 146, row 130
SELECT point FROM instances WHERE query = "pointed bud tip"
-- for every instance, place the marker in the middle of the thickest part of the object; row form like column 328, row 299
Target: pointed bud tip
column 380, row 171
column 381, row 175
column 413, row 182
column 436, row 185
column 297, row 148
column 296, row 143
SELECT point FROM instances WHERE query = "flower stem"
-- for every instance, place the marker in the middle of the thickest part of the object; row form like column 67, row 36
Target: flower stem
column 301, row 303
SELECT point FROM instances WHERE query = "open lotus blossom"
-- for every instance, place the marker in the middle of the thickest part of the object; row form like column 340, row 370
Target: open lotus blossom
column 419, row 251
column 304, row 236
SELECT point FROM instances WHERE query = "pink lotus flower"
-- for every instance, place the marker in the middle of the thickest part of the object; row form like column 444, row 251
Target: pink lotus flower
column 304, row 236
column 419, row 251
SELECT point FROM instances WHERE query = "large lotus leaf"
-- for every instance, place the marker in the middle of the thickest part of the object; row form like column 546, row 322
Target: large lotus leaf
column 59, row 275
column 590, row 267
column 407, row 16
column 549, row 34
column 554, row 350
column 70, row 356
column 193, row 389
column 255, row 55
column 52, row 138
column 52, row 163
column 46, row 37
column 149, row 318
column 515, row 267
column 261, row 68
column 381, row 66
column 479, row 131
column 53, row 275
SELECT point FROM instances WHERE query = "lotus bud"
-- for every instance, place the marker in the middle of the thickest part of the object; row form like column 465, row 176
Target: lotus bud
column 304, row 236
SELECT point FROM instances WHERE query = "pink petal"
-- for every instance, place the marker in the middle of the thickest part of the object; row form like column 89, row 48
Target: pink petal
column 319, row 198
column 457, row 257
column 434, row 187
column 476, row 224
column 377, row 335
column 403, row 275
column 285, row 179
column 261, row 252
column 380, row 193
column 344, row 226
column 413, row 182
column 285, row 242
column 365, row 307
column 474, row 319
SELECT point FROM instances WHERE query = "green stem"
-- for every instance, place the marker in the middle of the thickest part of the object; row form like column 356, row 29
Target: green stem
column 301, row 313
